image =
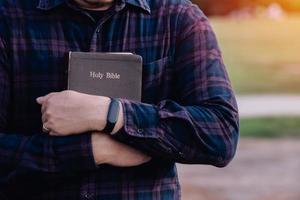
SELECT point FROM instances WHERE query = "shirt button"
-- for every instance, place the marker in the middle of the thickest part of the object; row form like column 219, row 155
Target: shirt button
column 220, row 159
column 98, row 31
column 86, row 196
column 181, row 154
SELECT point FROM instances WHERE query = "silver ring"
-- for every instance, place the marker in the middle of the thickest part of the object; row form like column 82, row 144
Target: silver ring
column 45, row 130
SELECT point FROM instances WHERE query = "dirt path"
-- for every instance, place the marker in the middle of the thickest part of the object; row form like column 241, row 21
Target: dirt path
column 261, row 170
column 269, row 105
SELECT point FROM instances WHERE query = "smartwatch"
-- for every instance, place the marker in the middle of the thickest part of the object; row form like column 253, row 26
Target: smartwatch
column 112, row 116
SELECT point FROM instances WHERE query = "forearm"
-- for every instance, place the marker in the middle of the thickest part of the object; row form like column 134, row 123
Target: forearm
column 109, row 151
column 186, row 134
column 84, row 113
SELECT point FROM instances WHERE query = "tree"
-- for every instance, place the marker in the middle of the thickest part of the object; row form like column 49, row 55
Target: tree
column 217, row 7
column 223, row 7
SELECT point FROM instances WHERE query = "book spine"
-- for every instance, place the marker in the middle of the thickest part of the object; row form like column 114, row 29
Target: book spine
column 69, row 69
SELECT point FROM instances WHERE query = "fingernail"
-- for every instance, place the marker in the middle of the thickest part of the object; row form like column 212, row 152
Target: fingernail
column 39, row 99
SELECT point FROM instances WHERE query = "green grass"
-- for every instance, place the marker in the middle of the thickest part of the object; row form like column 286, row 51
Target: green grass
column 261, row 55
column 270, row 127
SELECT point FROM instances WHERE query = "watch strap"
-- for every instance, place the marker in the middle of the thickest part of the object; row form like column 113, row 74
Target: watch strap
column 112, row 116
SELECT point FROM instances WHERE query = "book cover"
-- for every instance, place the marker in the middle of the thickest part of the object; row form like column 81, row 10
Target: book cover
column 116, row 75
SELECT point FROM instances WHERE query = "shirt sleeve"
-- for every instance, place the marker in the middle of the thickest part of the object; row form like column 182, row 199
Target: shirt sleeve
column 21, row 154
column 201, row 125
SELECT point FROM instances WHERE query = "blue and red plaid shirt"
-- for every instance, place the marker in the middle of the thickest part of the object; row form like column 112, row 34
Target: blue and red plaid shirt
column 188, row 112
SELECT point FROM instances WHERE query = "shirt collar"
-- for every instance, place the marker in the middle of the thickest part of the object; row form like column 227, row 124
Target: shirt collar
column 140, row 3
column 49, row 4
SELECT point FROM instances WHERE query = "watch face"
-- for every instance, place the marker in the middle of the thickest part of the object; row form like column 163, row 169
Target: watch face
column 113, row 112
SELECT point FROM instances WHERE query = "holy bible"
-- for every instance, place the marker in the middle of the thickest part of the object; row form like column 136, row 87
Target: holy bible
column 116, row 75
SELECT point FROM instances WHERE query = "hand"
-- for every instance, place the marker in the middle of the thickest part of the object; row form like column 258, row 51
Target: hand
column 71, row 112
column 108, row 151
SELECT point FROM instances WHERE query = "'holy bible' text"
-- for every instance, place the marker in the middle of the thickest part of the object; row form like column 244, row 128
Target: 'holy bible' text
column 108, row 75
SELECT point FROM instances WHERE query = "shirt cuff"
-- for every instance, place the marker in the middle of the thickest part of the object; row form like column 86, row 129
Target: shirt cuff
column 140, row 120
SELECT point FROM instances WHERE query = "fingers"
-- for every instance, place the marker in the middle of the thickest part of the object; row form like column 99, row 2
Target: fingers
column 52, row 133
column 44, row 117
column 45, row 129
column 55, row 115
column 45, row 113
column 43, row 102
column 43, row 108
column 50, row 130
column 40, row 100
column 43, row 99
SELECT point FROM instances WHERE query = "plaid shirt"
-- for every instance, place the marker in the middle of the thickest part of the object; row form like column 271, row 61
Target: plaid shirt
column 188, row 112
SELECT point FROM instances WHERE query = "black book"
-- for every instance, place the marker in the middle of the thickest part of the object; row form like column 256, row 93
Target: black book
column 116, row 75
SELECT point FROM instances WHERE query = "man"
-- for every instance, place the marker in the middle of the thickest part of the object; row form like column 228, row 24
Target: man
column 188, row 112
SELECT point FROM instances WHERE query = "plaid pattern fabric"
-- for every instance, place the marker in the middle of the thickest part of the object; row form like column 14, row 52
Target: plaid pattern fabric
column 188, row 113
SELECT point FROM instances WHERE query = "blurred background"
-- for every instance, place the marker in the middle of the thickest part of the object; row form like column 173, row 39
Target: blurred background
column 260, row 41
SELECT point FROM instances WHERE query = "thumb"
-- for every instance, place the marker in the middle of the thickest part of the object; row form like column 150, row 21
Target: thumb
column 40, row 100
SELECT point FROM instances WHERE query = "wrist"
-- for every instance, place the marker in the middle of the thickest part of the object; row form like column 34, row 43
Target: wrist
column 100, row 108
column 99, row 116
